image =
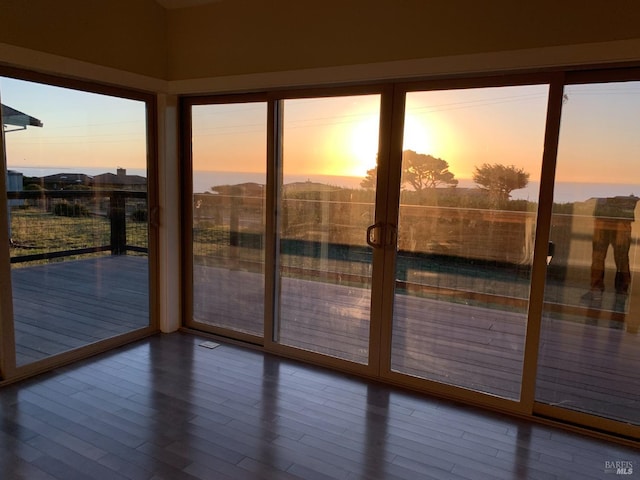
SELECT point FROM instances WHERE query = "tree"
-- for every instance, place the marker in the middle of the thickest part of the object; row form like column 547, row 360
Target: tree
column 369, row 182
column 500, row 180
column 423, row 171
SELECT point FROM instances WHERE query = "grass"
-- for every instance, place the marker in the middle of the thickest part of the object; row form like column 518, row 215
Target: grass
column 34, row 231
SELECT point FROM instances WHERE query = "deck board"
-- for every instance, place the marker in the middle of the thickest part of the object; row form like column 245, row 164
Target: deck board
column 470, row 345
column 65, row 305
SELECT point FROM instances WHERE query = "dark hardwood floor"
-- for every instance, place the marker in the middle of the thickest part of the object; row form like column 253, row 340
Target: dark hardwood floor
column 169, row 408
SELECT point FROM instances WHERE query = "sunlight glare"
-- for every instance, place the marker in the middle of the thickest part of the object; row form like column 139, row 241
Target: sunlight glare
column 417, row 136
column 363, row 147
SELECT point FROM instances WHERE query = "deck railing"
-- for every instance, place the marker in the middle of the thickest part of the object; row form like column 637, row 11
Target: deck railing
column 46, row 224
column 473, row 255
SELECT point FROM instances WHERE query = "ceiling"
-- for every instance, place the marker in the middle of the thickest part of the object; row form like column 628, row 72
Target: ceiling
column 174, row 4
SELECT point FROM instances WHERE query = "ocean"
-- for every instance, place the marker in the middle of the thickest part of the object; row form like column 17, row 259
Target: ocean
column 565, row 192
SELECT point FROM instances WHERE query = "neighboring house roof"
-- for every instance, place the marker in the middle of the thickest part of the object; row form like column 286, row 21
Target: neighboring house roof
column 248, row 188
column 11, row 116
column 112, row 179
column 67, row 178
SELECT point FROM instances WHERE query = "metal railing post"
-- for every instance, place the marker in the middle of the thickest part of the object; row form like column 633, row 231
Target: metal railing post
column 117, row 215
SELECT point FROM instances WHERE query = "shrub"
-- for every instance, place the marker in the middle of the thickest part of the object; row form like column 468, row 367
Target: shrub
column 139, row 215
column 66, row 209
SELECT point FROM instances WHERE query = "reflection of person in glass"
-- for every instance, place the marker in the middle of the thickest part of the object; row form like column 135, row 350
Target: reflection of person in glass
column 612, row 226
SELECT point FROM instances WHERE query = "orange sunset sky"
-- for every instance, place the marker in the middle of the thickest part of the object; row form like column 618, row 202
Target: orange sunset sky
column 339, row 136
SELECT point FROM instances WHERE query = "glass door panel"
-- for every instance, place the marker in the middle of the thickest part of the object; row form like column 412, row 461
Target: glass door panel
column 77, row 198
column 229, row 177
column 589, row 358
column 327, row 196
column 470, row 167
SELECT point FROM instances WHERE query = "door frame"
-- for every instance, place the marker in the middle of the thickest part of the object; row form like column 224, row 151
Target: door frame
column 9, row 371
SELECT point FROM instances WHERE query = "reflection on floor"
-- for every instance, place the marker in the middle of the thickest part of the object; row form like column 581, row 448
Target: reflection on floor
column 167, row 407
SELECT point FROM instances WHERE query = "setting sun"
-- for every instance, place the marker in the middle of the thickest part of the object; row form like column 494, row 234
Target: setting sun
column 417, row 136
column 363, row 143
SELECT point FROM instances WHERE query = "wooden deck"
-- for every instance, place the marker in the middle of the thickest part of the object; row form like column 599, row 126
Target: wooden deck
column 168, row 408
column 66, row 305
column 587, row 366
column 584, row 365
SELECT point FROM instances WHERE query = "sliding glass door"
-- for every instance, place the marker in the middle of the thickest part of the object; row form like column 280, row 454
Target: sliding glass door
column 309, row 231
column 228, row 210
column 466, row 229
column 589, row 358
column 78, row 224
column 326, row 203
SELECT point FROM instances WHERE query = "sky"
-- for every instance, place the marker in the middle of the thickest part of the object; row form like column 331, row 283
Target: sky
column 600, row 134
column 464, row 127
column 80, row 129
column 468, row 128
column 323, row 136
column 230, row 137
column 338, row 136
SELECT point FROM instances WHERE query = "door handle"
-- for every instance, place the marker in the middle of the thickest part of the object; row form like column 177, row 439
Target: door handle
column 373, row 239
column 380, row 235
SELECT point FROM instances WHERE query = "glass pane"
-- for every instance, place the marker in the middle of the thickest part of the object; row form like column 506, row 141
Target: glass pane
column 78, row 216
column 590, row 350
column 229, row 177
column 330, row 145
column 470, row 167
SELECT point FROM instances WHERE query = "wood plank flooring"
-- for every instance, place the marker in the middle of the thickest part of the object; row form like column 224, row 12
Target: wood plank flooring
column 583, row 366
column 168, row 408
column 66, row 305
